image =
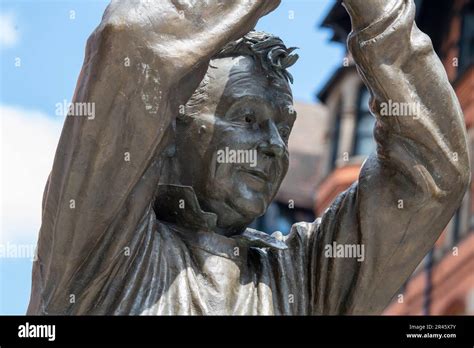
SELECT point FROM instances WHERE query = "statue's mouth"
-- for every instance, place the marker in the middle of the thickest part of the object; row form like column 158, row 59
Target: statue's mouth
column 256, row 173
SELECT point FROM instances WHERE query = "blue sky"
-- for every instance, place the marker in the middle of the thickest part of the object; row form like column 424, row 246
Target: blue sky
column 41, row 52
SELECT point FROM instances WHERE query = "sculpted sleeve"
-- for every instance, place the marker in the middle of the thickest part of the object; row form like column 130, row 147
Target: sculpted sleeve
column 409, row 189
column 143, row 61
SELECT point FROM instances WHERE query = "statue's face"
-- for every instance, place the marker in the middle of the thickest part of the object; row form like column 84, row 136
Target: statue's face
column 234, row 150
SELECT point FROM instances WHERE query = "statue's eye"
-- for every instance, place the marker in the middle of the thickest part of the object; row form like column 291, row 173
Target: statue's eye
column 249, row 118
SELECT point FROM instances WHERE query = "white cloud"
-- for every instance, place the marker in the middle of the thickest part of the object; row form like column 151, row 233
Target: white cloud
column 27, row 147
column 8, row 32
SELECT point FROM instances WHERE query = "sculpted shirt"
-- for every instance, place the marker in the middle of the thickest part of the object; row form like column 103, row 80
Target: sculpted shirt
column 125, row 247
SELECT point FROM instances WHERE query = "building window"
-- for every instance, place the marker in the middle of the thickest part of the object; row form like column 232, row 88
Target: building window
column 279, row 217
column 274, row 219
column 364, row 143
column 466, row 41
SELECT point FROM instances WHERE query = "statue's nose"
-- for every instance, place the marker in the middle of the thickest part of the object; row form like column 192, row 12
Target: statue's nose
column 273, row 146
column 272, row 150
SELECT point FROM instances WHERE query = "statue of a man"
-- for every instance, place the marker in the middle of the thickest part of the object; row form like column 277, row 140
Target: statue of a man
column 140, row 216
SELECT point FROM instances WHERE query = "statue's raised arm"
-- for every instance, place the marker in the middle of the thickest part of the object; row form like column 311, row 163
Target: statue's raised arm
column 410, row 188
column 142, row 62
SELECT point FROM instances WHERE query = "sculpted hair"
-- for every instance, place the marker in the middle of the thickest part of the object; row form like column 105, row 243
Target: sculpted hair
column 267, row 50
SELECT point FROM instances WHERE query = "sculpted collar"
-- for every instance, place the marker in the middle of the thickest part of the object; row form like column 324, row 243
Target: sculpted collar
column 179, row 205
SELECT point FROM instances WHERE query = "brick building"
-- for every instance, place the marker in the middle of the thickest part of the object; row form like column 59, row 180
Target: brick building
column 444, row 281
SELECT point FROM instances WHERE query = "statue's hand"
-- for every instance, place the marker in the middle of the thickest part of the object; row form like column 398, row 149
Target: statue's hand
column 181, row 33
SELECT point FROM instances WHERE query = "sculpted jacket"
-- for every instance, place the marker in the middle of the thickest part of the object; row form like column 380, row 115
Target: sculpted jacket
column 113, row 241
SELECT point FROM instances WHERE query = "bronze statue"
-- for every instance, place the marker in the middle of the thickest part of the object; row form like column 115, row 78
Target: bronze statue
column 141, row 215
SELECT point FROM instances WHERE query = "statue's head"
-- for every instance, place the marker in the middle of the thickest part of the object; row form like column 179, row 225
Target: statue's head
column 232, row 138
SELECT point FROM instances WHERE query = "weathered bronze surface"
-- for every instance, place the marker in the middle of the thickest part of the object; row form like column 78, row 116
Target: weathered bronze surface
column 140, row 216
